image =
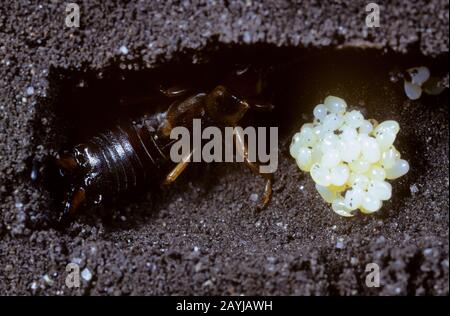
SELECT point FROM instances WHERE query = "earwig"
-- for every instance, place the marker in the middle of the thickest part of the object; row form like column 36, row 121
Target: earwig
column 135, row 153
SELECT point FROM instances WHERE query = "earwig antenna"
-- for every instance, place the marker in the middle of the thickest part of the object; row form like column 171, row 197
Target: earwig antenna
column 260, row 105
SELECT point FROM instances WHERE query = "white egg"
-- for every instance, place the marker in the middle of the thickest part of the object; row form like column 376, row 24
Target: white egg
column 320, row 111
column 359, row 166
column 319, row 132
column 295, row 145
column 412, row 90
column 317, row 154
column 419, row 75
column 400, row 168
column 348, row 133
column 320, row 175
column 331, row 158
column 388, row 126
column 329, row 142
column 389, row 157
column 303, row 159
column 328, row 195
column 385, row 139
column 366, row 127
column 370, row 204
column 332, row 122
column 307, row 137
column 306, row 126
column 380, row 189
column 353, row 198
column 359, row 181
column 370, row 149
column 339, row 175
column 377, row 173
column 349, row 150
column 338, row 206
column 354, row 119
column 335, row 104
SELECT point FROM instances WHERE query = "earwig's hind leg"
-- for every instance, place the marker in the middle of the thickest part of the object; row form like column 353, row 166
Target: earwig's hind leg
column 254, row 167
column 173, row 91
column 75, row 198
column 179, row 168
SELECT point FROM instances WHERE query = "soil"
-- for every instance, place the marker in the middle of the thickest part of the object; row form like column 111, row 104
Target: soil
column 202, row 236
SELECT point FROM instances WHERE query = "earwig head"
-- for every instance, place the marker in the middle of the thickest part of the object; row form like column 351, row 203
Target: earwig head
column 225, row 107
column 241, row 91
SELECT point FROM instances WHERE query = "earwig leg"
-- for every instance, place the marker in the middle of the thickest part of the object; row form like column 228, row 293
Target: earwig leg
column 174, row 91
column 67, row 162
column 254, row 167
column 179, row 168
column 75, row 198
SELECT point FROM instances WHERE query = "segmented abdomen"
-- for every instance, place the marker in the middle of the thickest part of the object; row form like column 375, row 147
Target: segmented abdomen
column 122, row 158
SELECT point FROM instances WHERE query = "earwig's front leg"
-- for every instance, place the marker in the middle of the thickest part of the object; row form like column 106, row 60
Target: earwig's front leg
column 179, row 168
column 254, row 167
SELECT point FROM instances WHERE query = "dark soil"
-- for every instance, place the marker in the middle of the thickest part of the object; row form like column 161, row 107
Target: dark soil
column 202, row 236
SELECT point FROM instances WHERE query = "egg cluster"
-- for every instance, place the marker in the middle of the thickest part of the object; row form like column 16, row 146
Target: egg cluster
column 349, row 158
column 418, row 79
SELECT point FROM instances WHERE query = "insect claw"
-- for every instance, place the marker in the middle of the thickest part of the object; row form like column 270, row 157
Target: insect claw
column 267, row 196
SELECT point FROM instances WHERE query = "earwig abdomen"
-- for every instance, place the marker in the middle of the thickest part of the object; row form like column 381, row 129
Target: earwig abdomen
column 119, row 160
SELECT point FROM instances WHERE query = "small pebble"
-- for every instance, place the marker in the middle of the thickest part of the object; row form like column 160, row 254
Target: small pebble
column 354, row 261
column 340, row 243
column 414, row 189
column 254, row 197
column 123, row 49
column 30, row 90
column 247, row 37
column 47, row 279
column 86, row 274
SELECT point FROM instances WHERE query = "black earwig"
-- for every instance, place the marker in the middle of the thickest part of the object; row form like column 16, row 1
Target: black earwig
column 137, row 152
